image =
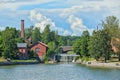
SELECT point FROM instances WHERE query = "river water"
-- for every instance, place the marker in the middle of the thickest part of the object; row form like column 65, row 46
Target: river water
column 62, row 71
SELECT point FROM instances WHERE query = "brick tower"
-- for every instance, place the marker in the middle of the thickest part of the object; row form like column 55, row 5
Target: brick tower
column 22, row 29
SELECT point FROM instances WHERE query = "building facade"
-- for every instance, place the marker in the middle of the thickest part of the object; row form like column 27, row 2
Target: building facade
column 40, row 49
column 22, row 50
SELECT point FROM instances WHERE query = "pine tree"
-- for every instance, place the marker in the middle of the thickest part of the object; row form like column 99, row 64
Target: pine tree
column 36, row 35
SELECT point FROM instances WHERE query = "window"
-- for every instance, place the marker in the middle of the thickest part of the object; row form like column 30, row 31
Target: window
column 37, row 49
column 21, row 50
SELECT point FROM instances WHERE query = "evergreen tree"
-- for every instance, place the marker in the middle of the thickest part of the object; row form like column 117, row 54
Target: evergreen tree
column 99, row 45
column 94, row 47
column 28, row 31
column 36, row 35
column 106, row 46
column 46, row 34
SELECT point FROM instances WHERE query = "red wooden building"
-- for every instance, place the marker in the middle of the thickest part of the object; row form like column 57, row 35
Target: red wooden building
column 40, row 49
column 22, row 50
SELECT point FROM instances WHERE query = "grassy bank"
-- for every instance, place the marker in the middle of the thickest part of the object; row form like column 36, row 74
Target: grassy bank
column 4, row 62
column 23, row 60
column 2, row 59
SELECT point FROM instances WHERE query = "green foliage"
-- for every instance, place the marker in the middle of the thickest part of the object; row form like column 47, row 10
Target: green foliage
column 45, row 59
column 24, row 60
column 2, row 59
column 36, row 35
column 84, row 43
column 86, row 59
column 96, row 46
column 76, row 46
column 28, row 31
column 70, row 52
column 80, row 46
column 111, row 25
column 1, row 46
column 32, row 55
column 9, row 42
column 99, row 44
column 46, row 34
column 51, row 49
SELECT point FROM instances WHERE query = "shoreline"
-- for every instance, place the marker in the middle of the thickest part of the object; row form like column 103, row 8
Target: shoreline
column 114, row 65
column 17, row 63
column 93, row 64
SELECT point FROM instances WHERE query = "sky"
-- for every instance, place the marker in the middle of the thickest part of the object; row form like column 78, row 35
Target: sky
column 67, row 17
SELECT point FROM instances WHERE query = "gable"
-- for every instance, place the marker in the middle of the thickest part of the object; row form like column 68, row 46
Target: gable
column 39, row 46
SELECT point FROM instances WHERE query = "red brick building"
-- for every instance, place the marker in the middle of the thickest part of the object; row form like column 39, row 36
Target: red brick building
column 22, row 50
column 39, row 48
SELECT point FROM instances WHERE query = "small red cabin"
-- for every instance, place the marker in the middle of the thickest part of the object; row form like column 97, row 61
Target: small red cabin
column 40, row 49
column 22, row 50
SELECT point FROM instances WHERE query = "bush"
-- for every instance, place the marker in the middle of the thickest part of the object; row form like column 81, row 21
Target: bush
column 45, row 59
column 86, row 59
column 76, row 58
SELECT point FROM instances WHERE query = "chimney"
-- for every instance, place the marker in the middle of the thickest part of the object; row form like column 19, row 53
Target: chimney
column 22, row 28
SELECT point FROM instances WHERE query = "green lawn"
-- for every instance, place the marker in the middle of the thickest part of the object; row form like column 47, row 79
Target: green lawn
column 23, row 60
column 2, row 59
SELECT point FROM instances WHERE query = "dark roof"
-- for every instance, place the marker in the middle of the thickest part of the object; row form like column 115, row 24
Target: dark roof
column 66, row 48
column 23, row 45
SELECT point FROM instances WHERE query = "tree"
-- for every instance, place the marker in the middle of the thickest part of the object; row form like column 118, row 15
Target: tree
column 46, row 34
column 51, row 49
column 99, row 45
column 111, row 25
column 36, row 35
column 94, row 46
column 106, row 45
column 28, row 31
column 76, row 47
column 9, row 43
column 1, row 46
column 84, row 44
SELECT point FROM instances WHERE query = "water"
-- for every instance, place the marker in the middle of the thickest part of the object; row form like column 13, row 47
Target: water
column 64, row 71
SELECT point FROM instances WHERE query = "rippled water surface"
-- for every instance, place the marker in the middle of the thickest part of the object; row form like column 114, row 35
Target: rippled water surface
column 63, row 71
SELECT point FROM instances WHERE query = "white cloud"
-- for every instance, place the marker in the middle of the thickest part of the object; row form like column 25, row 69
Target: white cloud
column 81, row 8
column 108, row 7
column 74, row 8
column 77, row 25
column 66, row 32
column 41, row 21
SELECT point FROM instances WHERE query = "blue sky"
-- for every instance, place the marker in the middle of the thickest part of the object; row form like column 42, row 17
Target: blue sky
column 68, row 17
